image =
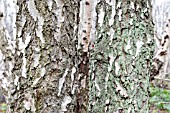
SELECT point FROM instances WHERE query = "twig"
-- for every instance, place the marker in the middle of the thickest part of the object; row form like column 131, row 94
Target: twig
column 164, row 102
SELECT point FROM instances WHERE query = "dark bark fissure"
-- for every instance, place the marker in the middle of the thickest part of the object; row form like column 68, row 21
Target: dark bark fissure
column 82, row 94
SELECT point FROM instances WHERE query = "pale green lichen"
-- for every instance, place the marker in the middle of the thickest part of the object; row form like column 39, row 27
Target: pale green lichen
column 129, row 76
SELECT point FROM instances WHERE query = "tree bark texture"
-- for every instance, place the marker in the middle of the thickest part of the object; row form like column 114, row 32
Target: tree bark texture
column 120, row 61
column 76, row 56
column 161, row 19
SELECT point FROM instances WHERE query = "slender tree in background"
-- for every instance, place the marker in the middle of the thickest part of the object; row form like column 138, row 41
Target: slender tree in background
column 72, row 56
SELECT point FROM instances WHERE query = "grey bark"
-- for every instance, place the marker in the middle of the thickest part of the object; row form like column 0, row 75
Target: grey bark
column 71, row 56
column 122, row 74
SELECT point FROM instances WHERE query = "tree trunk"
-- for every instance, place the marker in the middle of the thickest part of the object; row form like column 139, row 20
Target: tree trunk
column 72, row 56
column 120, row 61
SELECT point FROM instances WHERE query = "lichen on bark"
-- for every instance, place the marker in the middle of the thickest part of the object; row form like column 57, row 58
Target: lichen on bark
column 76, row 56
column 45, row 54
column 120, row 63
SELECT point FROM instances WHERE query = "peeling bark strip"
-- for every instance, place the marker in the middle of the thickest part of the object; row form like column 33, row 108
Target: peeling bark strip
column 86, row 24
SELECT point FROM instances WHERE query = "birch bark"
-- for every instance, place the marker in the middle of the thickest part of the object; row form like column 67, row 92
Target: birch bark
column 75, row 56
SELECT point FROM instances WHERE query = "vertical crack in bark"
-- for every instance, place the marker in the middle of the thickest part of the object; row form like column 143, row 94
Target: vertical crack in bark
column 83, row 90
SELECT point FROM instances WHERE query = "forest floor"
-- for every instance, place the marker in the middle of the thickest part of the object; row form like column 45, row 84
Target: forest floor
column 160, row 96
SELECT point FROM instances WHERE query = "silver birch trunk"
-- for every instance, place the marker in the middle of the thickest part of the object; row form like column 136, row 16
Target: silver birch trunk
column 120, row 61
column 76, row 56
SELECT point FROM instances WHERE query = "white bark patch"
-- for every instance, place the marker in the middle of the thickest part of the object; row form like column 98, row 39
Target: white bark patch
column 81, row 24
column 83, row 83
column 138, row 45
column 87, row 25
column 142, row 15
column 117, row 67
column 121, row 90
column 59, row 2
column 148, row 39
column 145, row 10
column 72, row 76
column 50, row 3
column 92, row 76
column 36, row 56
column 22, row 47
column 131, row 21
column 107, row 101
column 60, row 18
column 79, row 75
column 16, row 80
column 110, row 62
column 137, row 7
column 5, row 83
column 24, row 70
column 119, row 4
column 9, row 9
column 36, row 59
column 58, row 12
column 112, row 4
column 129, row 110
column 21, row 44
column 2, row 67
column 29, row 102
column 73, row 89
column 27, row 105
column 128, row 46
column 101, row 17
column 34, row 13
column 33, row 109
column 94, row 18
column 97, row 86
column 32, row 9
column 21, row 22
column 132, row 5
column 36, row 81
column 43, row 71
column 40, row 29
column 119, row 14
column 106, row 79
column 72, row 73
column 132, row 14
column 10, row 67
column 111, row 34
column 66, row 101
column 62, row 80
